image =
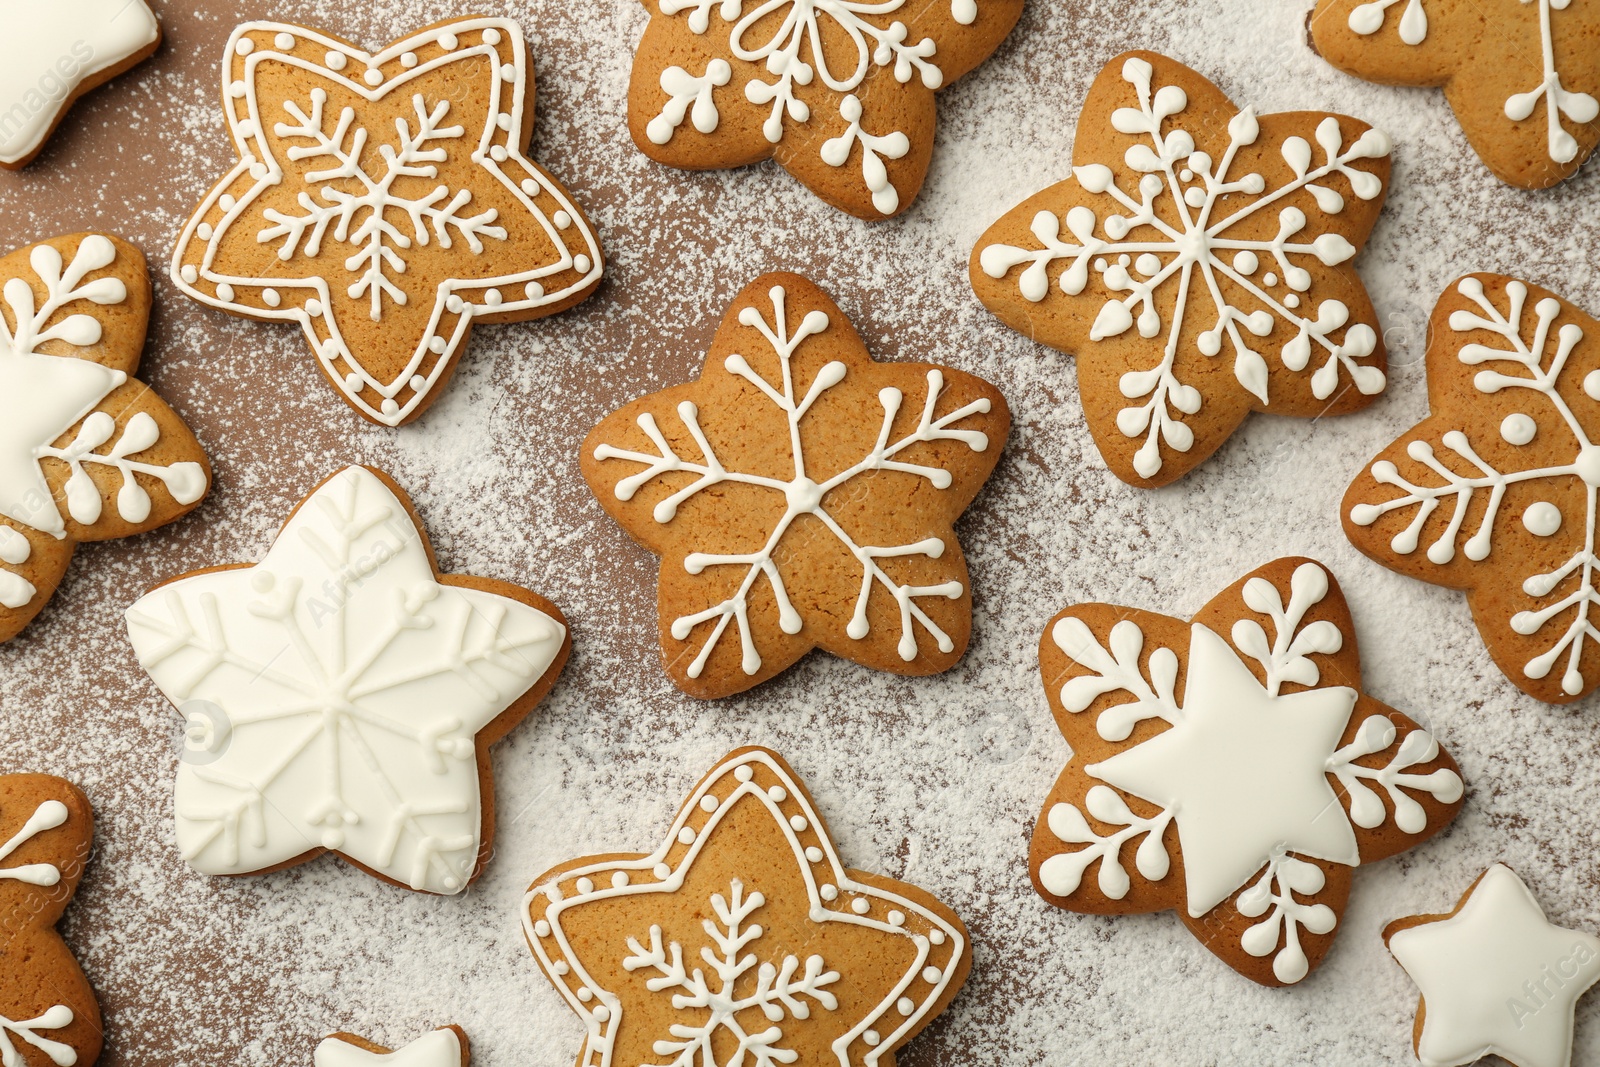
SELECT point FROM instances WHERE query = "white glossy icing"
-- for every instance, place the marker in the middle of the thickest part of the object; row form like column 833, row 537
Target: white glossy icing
column 351, row 686
column 1497, row 978
column 374, row 230
column 442, row 1048
column 49, row 49
column 27, row 1031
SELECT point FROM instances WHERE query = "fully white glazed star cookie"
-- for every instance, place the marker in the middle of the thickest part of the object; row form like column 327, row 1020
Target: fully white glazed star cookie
column 445, row 1047
column 341, row 695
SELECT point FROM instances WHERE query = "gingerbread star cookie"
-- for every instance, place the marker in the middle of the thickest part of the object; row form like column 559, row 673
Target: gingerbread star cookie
column 53, row 52
column 445, row 1047
column 801, row 496
column 840, row 93
column 1497, row 977
column 383, row 203
column 48, row 1013
column 87, row 451
column 744, row 939
column 1522, row 76
column 1198, row 265
column 342, row 694
column 1496, row 491
column 1238, row 761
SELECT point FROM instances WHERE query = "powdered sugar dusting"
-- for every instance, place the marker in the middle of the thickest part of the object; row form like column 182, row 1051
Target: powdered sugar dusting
column 937, row 780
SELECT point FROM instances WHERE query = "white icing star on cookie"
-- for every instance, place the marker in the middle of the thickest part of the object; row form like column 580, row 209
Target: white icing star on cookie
column 442, row 1048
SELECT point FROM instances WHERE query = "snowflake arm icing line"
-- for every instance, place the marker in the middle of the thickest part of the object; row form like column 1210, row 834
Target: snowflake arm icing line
column 396, row 197
column 797, row 377
column 1540, row 53
column 1196, row 248
column 1510, row 452
column 1258, row 774
column 336, row 693
column 812, row 66
column 632, row 939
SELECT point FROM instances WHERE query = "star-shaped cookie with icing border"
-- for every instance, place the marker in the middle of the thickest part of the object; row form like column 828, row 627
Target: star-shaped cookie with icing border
column 840, row 93
column 1198, row 265
column 87, row 451
column 1235, row 764
column 55, row 51
column 445, row 1047
column 48, row 1012
column 1522, row 76
column 383, row 203
column 341, row 695
column 801, row 495
column 743, row 938
column 1497, row 977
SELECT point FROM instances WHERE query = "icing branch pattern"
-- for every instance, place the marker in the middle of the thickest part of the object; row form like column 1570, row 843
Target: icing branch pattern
column 803, row 495
column 1580, row 108
column 371, row 222
column 47, row 816
column 345, row 686
column 55, row 1018
column 1242, row 768
column 1172, row 230
column 786, row 990
column 1524, row 365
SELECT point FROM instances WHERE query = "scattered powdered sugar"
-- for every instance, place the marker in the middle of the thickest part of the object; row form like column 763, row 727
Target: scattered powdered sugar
column 937, row 780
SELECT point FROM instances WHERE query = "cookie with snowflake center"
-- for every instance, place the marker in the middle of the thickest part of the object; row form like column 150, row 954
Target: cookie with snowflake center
column 87, row 451
column 382, row 202
column 1230, row 768
column 801, row 495
column 1198, row 264
column 840, row 93
column 444, row 1047
column 1496, row 491
column 1522, row 76
column 744, row 939
column 342, row 694
column 48, row 1012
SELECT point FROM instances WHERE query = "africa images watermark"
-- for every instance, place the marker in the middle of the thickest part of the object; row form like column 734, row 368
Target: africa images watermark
column 56, row 82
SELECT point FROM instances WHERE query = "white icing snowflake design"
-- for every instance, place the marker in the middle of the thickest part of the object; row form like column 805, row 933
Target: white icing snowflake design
column 785, row 989
column 786, row 38
column 1559, row 102
column 1527, row 352
column 47, row 816
column 335, row 691
column 1189, row 229
column 1245, row 769
column 792, row 400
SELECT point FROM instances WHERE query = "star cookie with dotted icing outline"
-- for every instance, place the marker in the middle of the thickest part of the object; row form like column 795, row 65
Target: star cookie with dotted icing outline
column 1197, row 264
column 1522, row 76
column 1237, row 758
column 342, row 694
column 55, row 51
column 87, row 451
column 48, row 1012
column 382, row 201
column 445, row 1047
column 1497, row 977
column 744, row 939
column 801, row 495
column 1497, row 491
column 839, row 92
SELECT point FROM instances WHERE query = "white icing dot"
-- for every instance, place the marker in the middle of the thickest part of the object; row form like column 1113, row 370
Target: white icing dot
column 1148, row 264
column 493, row 298
column 535, row 291
column 1269, row 278
column 897, row 918
column 601, row 1013
column 1518, row 429
column 1591, row 384
column 335, row 60
column 619, row 879
column 542, row 928
column 814, row 854
column 352, row 382
column 905, row 1006
column 708, row 803
column 245, row 46
column 1291, row 300
column 582, row 264
column 261, row 581
column 258, row 170
column 332, row 839
column 498, row 153
column 271, row 298
column 189, row 273
column 585, row 886
column 871, row 1037
column 14, row 547
column 586, row 994
column 284, row 41
column 455, row 304
column 373, row 76
column 1542, row 519
column 508, row 73
column 204, row 231
column 238, row 89
column 828, row 892
column 860, row 905
column 778, row 794
column 314, row 307
column 932, row 975
column 226, row 202
column 224, row 291
column 389, row 406
column 562, row 219
column 491, row 36
column 560, row 967
column 408, row 59
column 451, row 882
column 448, row 41
column 798, row 823
column 418, row 383
column 686, row 836
column 436, row 345
column 246, row 129
column 661, row 870
column 503, row 121
column 530, row 187
column 744, row 774
column 936, row 937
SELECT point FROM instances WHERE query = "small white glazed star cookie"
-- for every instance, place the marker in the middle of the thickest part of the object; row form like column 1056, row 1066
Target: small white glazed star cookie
column 445, row 1047
column 1497, row 978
